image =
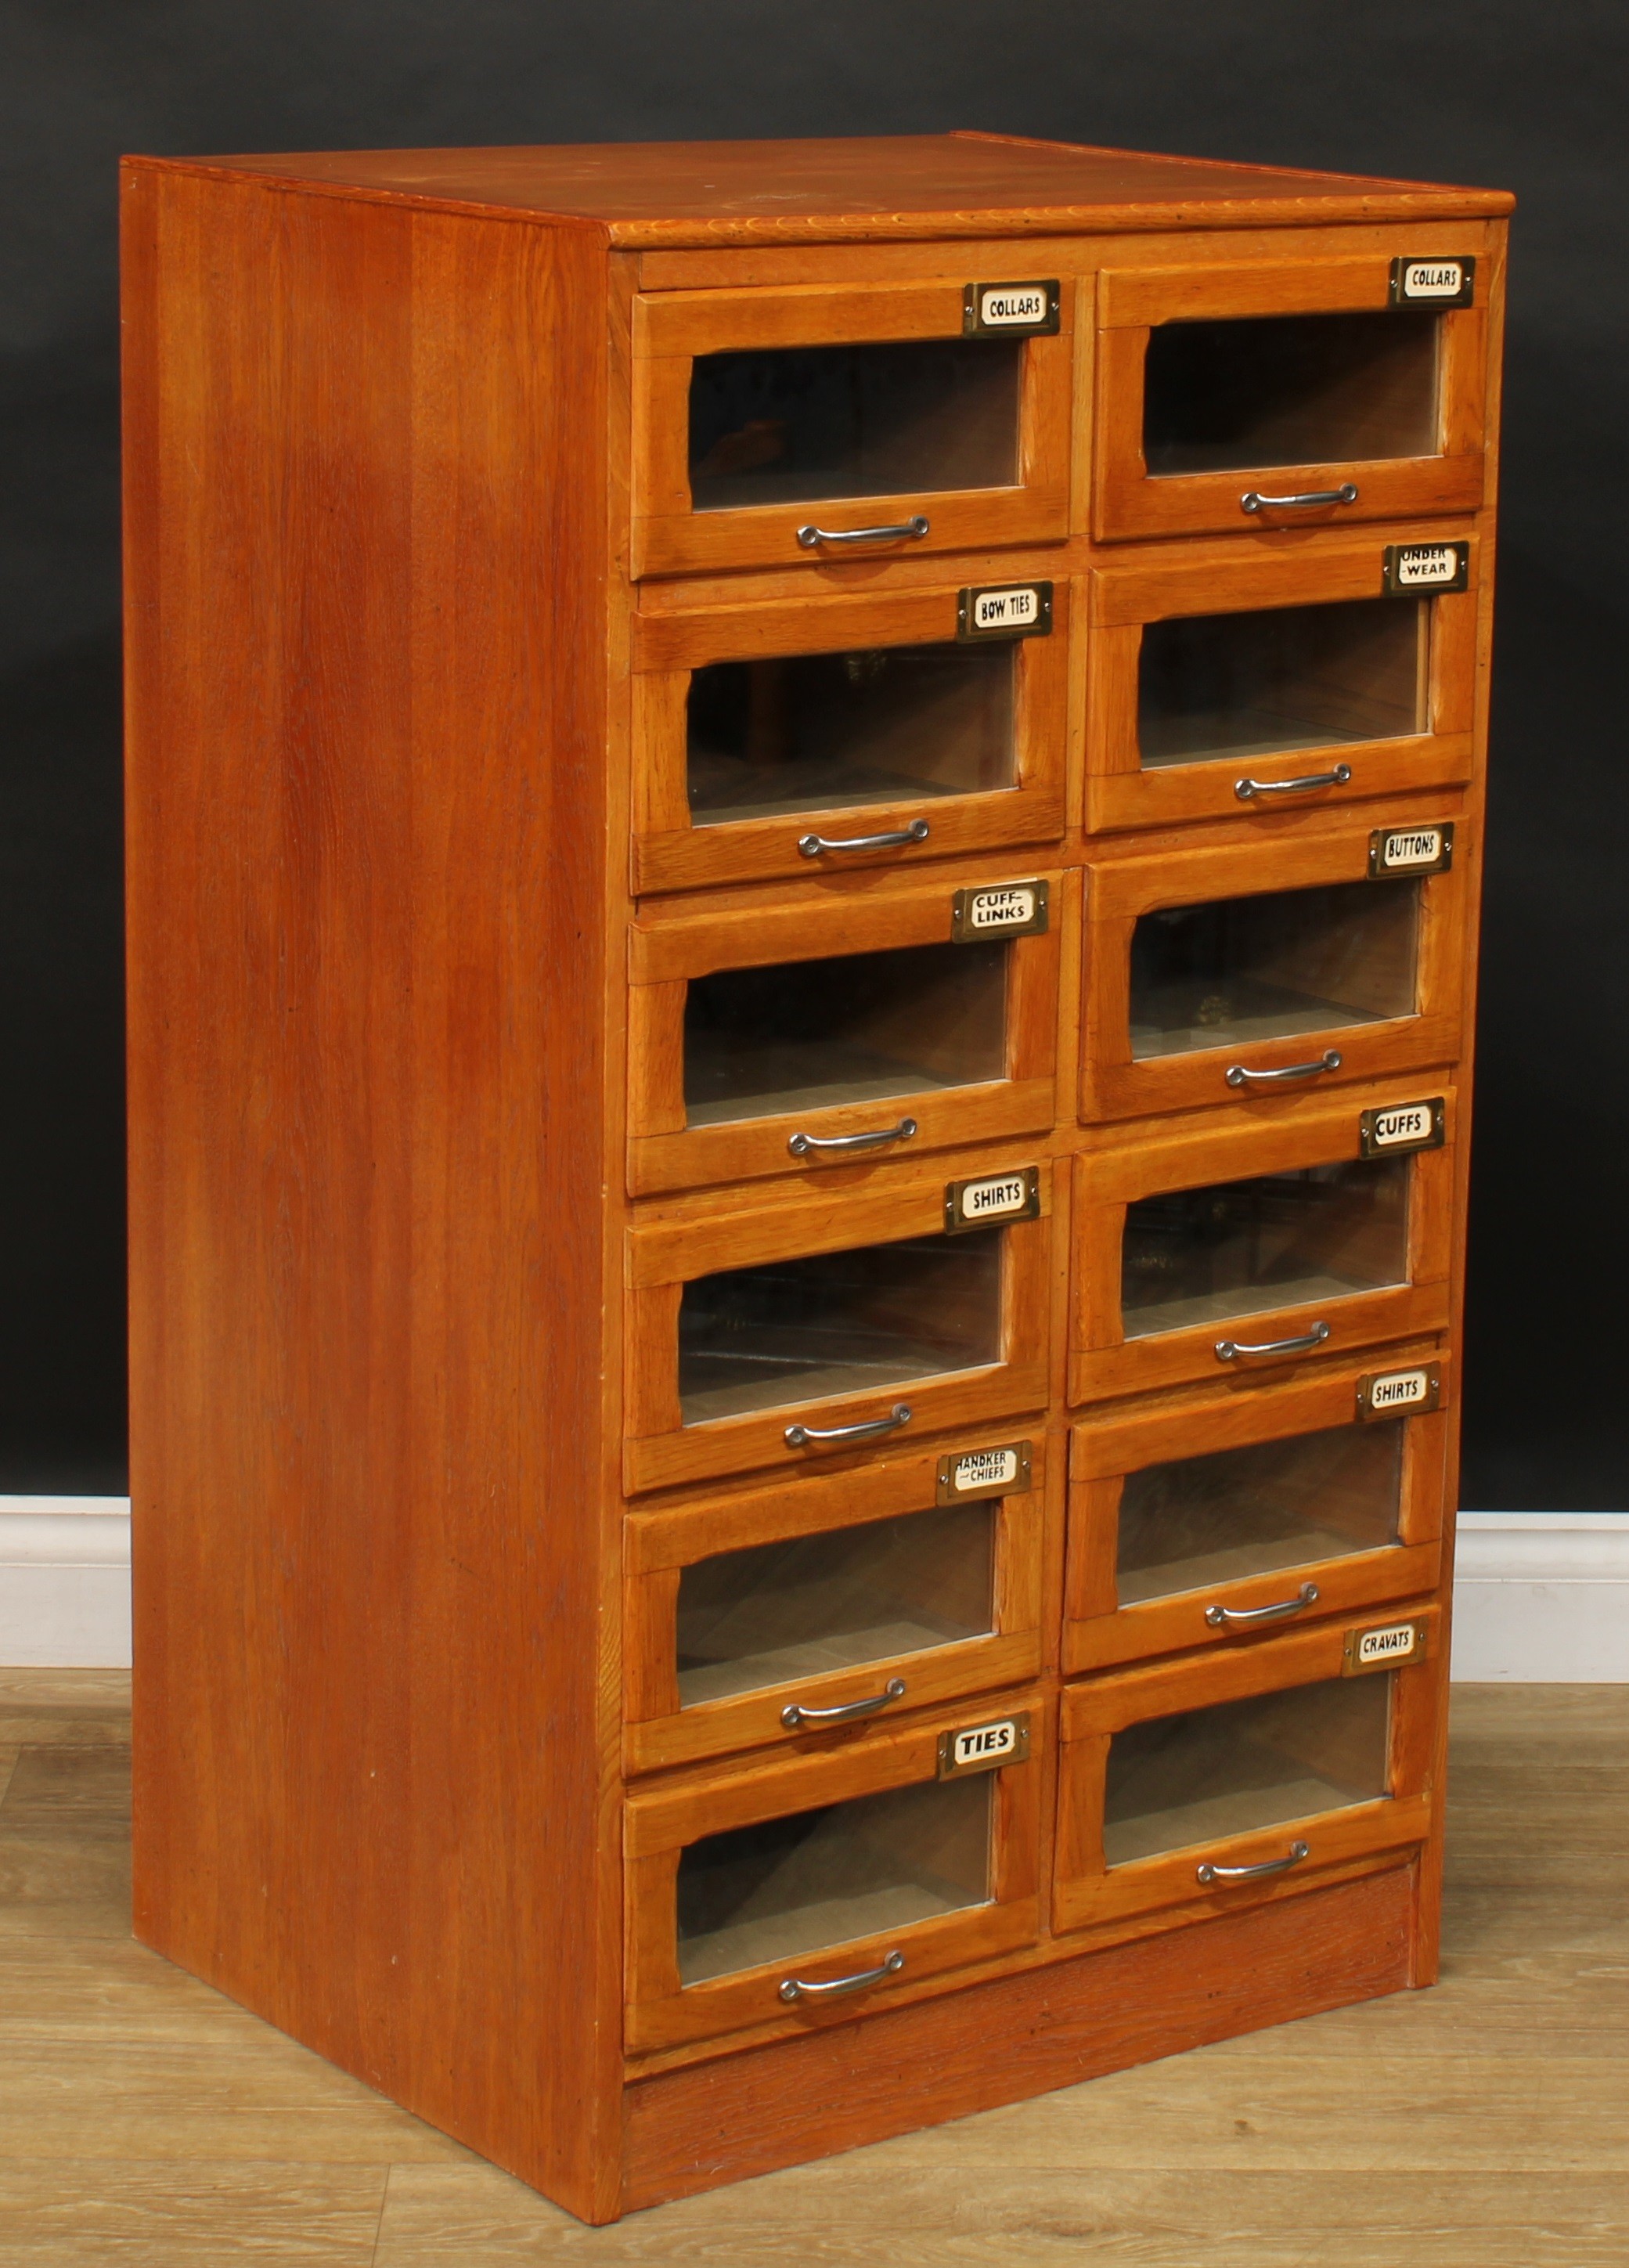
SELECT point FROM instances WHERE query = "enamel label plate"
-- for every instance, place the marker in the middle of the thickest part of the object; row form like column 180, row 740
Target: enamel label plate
column 1400, row 1393
column 998, row 309
column 983, row 1472
column 1010, row 910
column 1009, row 610
column 992, row 1197
column 1401, row 1126
column 1410, row 851
column 1383, row 1645
column 1432, row 282
column 980, row 1748
column 1408, row 568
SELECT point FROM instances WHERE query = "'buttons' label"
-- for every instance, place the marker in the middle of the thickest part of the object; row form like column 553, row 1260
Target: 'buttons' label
column 1410, row 851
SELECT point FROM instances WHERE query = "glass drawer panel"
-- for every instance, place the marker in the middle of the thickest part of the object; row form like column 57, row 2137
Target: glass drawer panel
column 806, row 1035
column 793, row 423
column 1265, row 390
column 1192, row 1256
column 1287, row 677
column 819, row 731
column 808, row 1605
column 783, row 1887
column 1236, row 1512
column 838, row 1322
column 1239, row 1765
column 1266, row 968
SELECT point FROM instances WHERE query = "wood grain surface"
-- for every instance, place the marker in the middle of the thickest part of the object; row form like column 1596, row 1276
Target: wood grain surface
column 145, row 2119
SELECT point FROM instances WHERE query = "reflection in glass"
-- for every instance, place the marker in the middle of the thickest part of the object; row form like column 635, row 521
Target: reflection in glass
column 1266, row 968
column 1285, row 678
column 1241, row 1765
column 1290, row 390
column 808, row 1034
column 1217, row 1519
column 788, row 424
column 1193, row 1256
column 838, row 1322
column 787, row 1886
column 810, row 1605
column 813, row 732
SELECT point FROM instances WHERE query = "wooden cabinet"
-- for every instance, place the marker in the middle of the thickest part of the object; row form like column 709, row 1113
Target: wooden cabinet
column 804, row 832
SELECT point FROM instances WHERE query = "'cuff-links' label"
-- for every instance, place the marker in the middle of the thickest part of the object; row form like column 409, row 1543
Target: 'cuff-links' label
column 1010, row 910
column 1006, row 307
column 1401, row 1126
column 1411, row 569
column 1400, row 1393
column 1432, row 282
column 992, row 1197
column 1384, row 1645
column 1008, row 610
column 980, row 1748
column 1410, row 851
column 984, row 1472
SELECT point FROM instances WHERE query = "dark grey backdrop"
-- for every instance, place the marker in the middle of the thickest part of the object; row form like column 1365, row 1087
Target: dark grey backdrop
column 1524, row 95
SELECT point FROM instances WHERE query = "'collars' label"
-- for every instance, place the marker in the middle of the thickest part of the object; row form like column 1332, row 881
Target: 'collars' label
column 1432, row 282
column 1402, row 1126
column 1030, row 306
column 1011, row 611
column 994, row 1196
column 1382, row 1646
column 1009, row 910
column 1425, row 567
column 984, row 1472
column 1410, row 849
column 980, row 1748
column 1400, row 1393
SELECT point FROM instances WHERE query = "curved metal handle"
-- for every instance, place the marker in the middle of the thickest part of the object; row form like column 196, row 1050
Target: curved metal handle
column 1253, row 500
column 792, row 1716
column 1298, row 1850
column 1245, row 788
column 810, row 846
column 1241, row 1618
column 804, row 1146
column 1231, row 1350
column 798, row 1988
column 801, row 1437
column 1237, row 1075
column 912, row 529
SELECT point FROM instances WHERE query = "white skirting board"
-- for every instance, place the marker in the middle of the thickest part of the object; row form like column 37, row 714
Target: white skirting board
column 1540, row 1597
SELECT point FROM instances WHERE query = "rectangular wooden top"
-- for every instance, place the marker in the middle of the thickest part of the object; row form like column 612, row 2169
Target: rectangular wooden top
column 674, row 194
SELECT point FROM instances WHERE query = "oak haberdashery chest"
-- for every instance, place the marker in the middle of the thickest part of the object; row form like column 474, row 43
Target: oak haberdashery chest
column 804, row 834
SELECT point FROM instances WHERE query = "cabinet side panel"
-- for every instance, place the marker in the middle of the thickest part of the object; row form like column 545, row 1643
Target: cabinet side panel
column 366, row 851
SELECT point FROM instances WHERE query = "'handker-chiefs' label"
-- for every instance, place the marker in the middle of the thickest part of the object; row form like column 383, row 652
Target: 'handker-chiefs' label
column 1030, row 306
column 1007, row 610
column 992, row 1197
column 1410, row 851
column 1384, row 1645
column 1408, row 568
column 984, row 1472
column 1007, row 910
column 980, row 1748
column 1400, row 1393
column 1402, row 1126
column 1432, row 282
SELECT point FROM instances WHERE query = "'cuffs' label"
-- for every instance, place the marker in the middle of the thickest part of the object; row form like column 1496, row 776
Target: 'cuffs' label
column 1402, row 1126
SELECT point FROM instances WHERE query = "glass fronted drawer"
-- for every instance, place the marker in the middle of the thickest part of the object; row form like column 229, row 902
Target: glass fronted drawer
column 1334, row 953
column 822, row 422
column 764, row 1897
column 912, row 723
column 1261, row 396
column 862, row 1025
column 784, row 1612
column 1287, row 679
column 1220, row 1518
column 1234, row 1248
column 783, row 1333
column 1242, row 1775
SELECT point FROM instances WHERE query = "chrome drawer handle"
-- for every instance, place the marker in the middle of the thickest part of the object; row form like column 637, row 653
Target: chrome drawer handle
column 1252, row 500
column 798, row 1988
column 793, row 1715
column 810, row 846
column 801, row 1437
column 912, row 530
column 1232, row 1351
column 801, row 1145
column 1241, row 1617
column 1298, row 1850
column 1237, row 1075
column 1245, row 788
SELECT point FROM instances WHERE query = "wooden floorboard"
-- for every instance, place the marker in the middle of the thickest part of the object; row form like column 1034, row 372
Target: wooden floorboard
column 146, row 2121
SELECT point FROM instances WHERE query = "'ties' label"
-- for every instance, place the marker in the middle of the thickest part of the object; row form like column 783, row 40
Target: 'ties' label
column 1031, row 306
column 1011, row 611
column 1383, row 1647
column 1432, row 283
column 980, row 1748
